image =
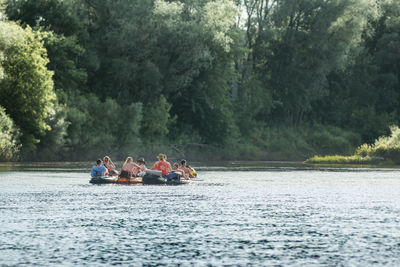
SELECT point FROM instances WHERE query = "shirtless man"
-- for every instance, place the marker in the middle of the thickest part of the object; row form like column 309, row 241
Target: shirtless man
column 186, row 169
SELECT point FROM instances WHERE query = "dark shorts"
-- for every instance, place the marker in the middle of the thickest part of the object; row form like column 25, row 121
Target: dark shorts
column 173, row 176
column 125, row 174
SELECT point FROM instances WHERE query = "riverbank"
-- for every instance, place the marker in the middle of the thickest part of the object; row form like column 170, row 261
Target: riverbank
column 201, row 166
column 349, row 160
column 385, row 151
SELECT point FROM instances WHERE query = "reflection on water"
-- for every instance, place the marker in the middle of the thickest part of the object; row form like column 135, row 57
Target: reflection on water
column 272, row 216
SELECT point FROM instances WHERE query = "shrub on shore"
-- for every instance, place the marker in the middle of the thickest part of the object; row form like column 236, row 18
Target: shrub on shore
column 386, row 149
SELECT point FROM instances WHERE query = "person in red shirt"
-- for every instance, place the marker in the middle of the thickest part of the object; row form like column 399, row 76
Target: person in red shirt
column 162, row 164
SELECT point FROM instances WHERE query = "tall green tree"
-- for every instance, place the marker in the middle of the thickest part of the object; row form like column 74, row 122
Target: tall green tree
column 384, row 45
column 64, row 37
column 123, row 37
column 364, row 96
column 313, row 38
column 197, row 66
column 26, row 90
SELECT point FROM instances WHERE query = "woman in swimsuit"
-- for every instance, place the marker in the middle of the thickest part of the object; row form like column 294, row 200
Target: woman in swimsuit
column 110, row 166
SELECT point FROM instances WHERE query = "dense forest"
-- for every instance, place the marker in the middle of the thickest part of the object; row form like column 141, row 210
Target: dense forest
column 224, row 79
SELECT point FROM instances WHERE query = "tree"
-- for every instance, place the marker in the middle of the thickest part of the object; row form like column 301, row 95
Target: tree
column 26, row 91
column 52, row 14
column 156, row 120
column 363, row 96
column 101, row 127
column 197, row 66
column 64, row 35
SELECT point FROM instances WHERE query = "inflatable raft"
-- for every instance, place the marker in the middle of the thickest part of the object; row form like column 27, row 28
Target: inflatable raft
column 115, row 180
column 103, row 180
column 155, row 179
column 148, row 178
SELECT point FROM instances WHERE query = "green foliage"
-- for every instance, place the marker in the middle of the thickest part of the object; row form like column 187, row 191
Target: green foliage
column 253, row 105
column 385, row 150
column 313, row 38
column 44, row 13
column 195, row 51
column 387, row 147
column 218, row 18
column 299, row 142
column 123, row 38
column 156, row 120
column 63, row 34
column 364, row 150
column 211, row 108
column 393, row 140
column 330, row 139
column 371, row 124
column 289, row 79
column 101, row 127
column 9, row 134
column 52, row 144
column 26, row 90
column 64, row 54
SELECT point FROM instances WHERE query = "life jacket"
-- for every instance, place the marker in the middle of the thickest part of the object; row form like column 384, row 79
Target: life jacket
column 108, row 168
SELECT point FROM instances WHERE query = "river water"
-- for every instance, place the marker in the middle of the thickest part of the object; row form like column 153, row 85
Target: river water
column 259, row 216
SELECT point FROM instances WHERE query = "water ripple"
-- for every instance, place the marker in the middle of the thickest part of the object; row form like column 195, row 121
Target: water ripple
column 302, row 217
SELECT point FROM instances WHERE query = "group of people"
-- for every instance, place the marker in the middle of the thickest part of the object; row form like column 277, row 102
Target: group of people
column 138, row 169
column 181, row 170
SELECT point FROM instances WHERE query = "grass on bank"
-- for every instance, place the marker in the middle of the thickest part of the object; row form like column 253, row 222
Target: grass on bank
column 347, row 160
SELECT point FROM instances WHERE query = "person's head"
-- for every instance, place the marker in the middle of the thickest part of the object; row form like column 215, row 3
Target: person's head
column 98, row 162
column 128, row 160
column 175, row 166
column 161, row 156
column 183, row 162
column 141, row 161
column 106, row 159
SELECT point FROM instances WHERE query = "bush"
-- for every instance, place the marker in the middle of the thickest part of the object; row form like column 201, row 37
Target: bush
column 385, row 148
column 294, row 143
column 365, row 150
column 330, row 140
column 387, row 152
